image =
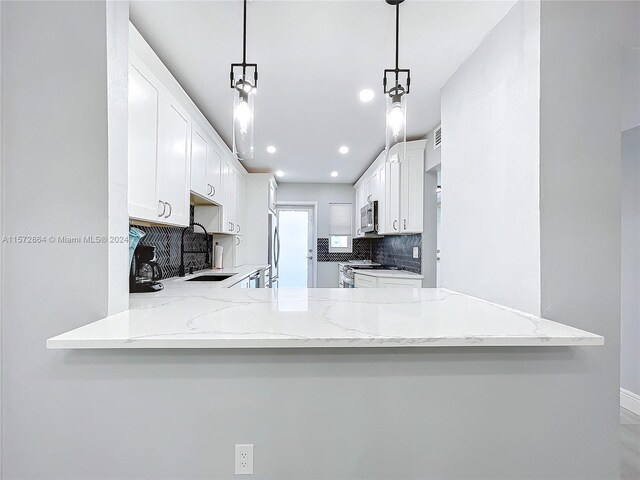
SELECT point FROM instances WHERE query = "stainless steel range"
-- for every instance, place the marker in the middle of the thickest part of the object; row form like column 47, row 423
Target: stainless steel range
column 346, row 271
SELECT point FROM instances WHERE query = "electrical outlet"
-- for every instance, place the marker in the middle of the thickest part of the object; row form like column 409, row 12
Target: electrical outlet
column 244, row 459
column 416, row 252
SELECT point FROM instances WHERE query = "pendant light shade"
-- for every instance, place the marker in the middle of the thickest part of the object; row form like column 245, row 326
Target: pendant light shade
column 396, row 125
column 396, row 94
column 244, row 84
column 243, row 116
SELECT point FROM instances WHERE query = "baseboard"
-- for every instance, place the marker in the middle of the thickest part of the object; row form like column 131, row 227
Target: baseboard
column 630, row 401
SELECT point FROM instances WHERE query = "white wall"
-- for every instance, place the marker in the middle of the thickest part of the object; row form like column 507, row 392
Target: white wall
column 580, row 166
column 117, row 150
column 490, row 152
column 630, row 260
column 323, row 194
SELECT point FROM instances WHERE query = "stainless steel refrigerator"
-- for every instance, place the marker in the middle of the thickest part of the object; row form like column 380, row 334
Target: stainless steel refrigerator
column 274, row 251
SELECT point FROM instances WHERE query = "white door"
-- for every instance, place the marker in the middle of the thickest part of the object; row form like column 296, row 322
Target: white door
column 296, row 263
column 143, row 142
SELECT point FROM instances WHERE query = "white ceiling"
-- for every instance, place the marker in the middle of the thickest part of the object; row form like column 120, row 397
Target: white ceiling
column 314, row 57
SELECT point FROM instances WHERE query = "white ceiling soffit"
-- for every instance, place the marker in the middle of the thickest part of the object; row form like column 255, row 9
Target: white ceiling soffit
column 314, row 57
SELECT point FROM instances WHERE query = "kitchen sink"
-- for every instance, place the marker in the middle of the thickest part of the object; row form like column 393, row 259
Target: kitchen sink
column 209, row 278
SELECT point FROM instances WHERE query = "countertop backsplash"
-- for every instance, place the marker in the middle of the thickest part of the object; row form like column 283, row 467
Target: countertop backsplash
column 394, row 251
column 167, row 242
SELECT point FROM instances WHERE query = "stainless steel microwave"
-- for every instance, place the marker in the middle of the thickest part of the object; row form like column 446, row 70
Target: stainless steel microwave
column 369, row 217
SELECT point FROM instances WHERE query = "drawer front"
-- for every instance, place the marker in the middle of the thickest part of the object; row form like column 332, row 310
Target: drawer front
column 399, row 283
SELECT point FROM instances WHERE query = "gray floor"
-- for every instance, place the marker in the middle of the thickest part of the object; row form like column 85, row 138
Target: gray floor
column 630, row 440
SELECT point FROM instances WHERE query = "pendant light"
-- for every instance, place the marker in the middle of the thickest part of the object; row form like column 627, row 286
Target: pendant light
column 244, row 82
column 396, row 93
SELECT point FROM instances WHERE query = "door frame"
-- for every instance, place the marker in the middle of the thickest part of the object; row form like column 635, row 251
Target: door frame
column 313, row 207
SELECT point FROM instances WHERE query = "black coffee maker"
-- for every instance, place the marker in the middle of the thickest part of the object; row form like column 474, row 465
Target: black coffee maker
column 145, row 271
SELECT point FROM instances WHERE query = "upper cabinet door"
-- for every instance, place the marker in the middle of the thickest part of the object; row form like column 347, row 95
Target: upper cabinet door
column 392, row 196
column 174, row 178
column 199, row 158
column 412, row 191
column 381, row 199
column 143, row 142
column 214, row 164
column 240, row 196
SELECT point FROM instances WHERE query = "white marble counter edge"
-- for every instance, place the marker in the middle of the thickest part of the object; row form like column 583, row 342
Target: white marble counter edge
column 572, row 337
column 284, row 342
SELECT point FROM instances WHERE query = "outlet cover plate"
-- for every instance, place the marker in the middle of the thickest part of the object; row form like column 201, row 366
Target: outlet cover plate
column 244, row 459
column 416, row 252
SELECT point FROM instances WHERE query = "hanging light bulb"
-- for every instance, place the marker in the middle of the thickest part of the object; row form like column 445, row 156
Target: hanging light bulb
column 396, row 95
column 244, row 90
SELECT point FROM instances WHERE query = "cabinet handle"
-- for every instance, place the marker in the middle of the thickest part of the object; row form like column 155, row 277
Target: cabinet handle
column 208, row 189
column 213, row 190
column 237, row 240
column 170, row 210
column 238, row 228
column 405, row 223
column 369, row 199
column 164, row 207
column 233, row 226
column 395, row 224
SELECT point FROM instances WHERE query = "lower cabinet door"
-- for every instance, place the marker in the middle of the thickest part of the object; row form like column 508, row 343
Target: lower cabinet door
column 364, row 281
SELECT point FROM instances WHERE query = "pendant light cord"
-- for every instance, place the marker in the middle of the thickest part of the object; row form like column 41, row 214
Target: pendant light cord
column 397, row 38
column 244, row 41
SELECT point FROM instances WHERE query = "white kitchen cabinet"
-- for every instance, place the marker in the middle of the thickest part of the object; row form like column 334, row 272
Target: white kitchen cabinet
column 205, row 166
column 229, row 194
column 143, row 142
column 173, row 174
column 382, row 214
column 159, row 150
column 228, row 217
column 240, row 254
column 392, row 196
column 240, row 203
column 411, row 190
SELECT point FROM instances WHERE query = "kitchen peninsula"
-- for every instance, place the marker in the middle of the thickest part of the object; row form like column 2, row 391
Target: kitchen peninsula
column 188, row 314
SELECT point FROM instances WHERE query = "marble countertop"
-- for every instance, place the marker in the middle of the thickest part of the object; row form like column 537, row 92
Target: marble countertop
column 390, row 274
column 198, row 315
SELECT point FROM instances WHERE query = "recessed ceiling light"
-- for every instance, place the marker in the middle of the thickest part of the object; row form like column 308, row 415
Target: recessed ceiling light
column 334, row 174
column 271, row 149
column 344, row 149
column 279, row 173
column 366, row 95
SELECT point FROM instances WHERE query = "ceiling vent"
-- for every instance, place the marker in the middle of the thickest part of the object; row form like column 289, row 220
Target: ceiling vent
column 437, row 138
